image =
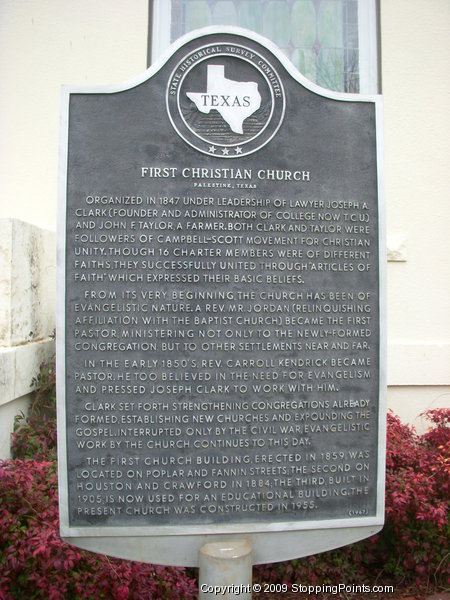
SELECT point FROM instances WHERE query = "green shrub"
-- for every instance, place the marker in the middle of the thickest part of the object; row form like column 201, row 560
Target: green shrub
column 35, row 435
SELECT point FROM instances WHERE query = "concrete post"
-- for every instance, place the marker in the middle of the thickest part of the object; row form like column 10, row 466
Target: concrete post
column 226, row 569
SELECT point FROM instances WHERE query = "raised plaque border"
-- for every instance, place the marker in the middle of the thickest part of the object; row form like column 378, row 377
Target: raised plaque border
column 177, row 544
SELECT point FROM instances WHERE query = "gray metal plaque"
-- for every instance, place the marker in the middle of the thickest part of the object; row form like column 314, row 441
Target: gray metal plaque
column 220, row 332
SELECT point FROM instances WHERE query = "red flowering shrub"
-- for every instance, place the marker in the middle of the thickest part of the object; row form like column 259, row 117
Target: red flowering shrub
column 36, row 563
column 415, row 537
column 413, row 546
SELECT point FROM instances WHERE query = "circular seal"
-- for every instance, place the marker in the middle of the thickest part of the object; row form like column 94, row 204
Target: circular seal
column 225, row 100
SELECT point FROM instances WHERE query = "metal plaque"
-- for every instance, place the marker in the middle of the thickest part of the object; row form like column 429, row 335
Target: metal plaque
column 220, row 330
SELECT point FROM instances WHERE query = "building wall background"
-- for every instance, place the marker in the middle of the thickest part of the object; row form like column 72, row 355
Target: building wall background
column 46, row 43
column 415, row 65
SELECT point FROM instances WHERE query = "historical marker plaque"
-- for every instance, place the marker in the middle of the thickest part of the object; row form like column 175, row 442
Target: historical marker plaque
column 220, row 338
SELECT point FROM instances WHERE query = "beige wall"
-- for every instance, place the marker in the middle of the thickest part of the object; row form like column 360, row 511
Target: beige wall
column 44, row 43
column 415, row 49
